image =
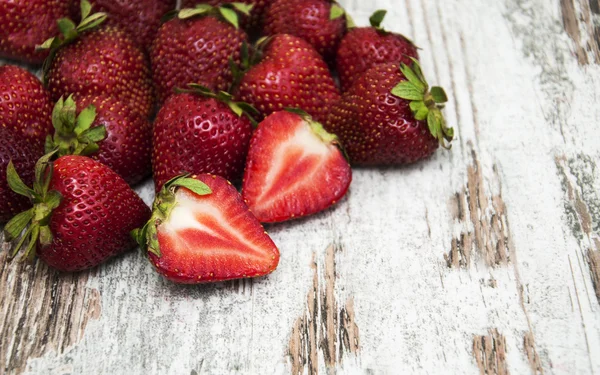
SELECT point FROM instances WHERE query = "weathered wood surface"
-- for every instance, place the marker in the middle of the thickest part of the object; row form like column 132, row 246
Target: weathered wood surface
column 483, row 259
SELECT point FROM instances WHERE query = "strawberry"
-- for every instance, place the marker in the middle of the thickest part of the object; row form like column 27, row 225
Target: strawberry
column 27, row 24
column 364, row 47
column 319, row 22
column 105, row 130
column 252, row 23
column 103, row 61
column 294, row 169
column 140, row 18
column 23, row 154
column 25, row 104
column 391, row 116
column 291, row 75
column 195, row 47
column 82, row 214
column 200, row 132
column 201, row 231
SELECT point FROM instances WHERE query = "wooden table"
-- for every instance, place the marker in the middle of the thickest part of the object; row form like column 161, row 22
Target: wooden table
column 483, row 259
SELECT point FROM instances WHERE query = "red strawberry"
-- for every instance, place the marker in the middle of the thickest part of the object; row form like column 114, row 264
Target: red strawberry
column 319, row 22
column 140, row 18
column 103, row 61
column 252, row 23
column 390, row 116
column 195, row 47
column 27, row 24
column 291, row 75
column 83, row 213
column 200, row 133
column 25, row 104
column 105, row 130
column 295, row 168
column 201, row 231
column 364, row 47
column 23, row 154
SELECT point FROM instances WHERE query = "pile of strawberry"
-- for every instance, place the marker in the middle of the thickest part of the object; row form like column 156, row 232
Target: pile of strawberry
column 284, row 118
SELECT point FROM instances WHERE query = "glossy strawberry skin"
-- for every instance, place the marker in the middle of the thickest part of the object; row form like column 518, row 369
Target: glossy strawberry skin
column 103, row 61
column 25, row 104
column 376, row 127
column 193, row 134
column 140, row 18
column 208, row 264
column 290, row 172
column 195, row 50
column 252, row 24
column 27, row 24
column 127, row 147
column 309, row 20
column 94, row 220
column 291, row 75
column 23, row 154
column 365, row 47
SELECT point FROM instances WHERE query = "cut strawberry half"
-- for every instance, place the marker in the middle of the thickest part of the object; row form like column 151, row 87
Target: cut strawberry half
column 201, row 231
column 294, row 168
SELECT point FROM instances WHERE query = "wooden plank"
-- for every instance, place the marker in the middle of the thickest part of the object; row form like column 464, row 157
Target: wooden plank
column 483, row 259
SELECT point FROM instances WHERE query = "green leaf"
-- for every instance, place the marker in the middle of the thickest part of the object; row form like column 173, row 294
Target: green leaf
column 29, row 250
column 199, row 88
column 46, row 236
column 92, row 21
column 377, row 18
column 47, row 44
column 68, row 115
column 406, row 90
column 230, row 16
column 433, row 124
column 49, row 144
column 56, row 119
column 152, row 239
column 412, row 77
column 438, row 94
column 88, row 149
column 192, row 184
column 243, row 8
column 416, row 67
column 53, row 199
column 15, row 183
column 15, row 226
column 85, row 119
column 236, row 109
column 298, row 111
column 22, row 241
column 192, row 12
column 422, row 113
column 248, row 108
column 66, row 26
column 350, row 24
column 336, row 12
column 95, row 134
column 43, row 178
column 86, row 8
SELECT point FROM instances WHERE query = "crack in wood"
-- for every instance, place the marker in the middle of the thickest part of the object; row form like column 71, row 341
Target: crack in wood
column 483, row 219
column 578, row 21
column 324, row 328
column 582, row 209
column 535, row 364
column 43, row 311
column 490, row 353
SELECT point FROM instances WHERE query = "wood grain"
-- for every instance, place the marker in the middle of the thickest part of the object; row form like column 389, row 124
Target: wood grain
column 482, row 259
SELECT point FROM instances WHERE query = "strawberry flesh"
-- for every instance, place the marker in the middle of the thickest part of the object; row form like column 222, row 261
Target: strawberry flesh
column 291, row 171
column 212, row 238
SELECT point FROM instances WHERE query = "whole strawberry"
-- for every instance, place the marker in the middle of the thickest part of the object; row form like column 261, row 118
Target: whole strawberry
column 391, row 116
column 27, row 24
column 319, row 22
column 199, row 132
column 87, row 60
column 201, row 231
column 291, row 74
column 82, row 215
column 253, row 23
column 140, row 18
column 24, row 154
column 25, row 104
column 106, row 131
column 195, row 47
column 364, row 47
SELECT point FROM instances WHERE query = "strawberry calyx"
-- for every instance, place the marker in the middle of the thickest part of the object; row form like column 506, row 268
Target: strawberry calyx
column 35, row 221
column 426, row 103
column 227, row 12
column 239, row 108
column 377, row 18
column 73, row 134
column 70, row 32
column 164, row 203
column 337, row 12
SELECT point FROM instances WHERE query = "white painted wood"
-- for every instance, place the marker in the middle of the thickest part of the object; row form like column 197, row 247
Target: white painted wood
column 526, row 111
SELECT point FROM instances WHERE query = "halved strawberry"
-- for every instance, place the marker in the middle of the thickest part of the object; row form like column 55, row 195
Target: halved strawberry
column 294, row 168
column 201, row 231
